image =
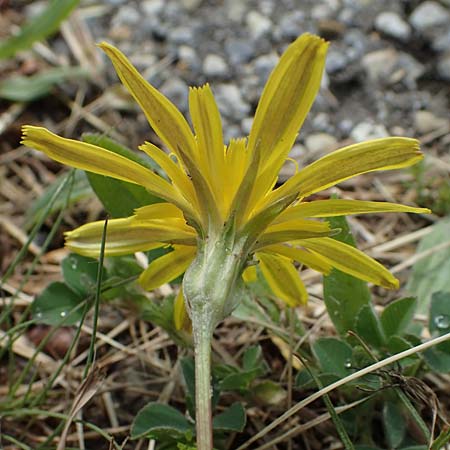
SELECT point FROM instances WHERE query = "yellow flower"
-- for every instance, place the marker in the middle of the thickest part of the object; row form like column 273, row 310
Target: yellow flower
column 223, row 204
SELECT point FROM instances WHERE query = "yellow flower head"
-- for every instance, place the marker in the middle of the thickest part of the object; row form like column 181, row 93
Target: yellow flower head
column 225, row 195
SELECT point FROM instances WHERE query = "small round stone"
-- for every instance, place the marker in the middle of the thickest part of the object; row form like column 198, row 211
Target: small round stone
column 215, row 66
column 392, row 24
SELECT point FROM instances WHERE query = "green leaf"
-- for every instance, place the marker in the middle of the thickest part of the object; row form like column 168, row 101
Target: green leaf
column 269, row 392
column 80, row 189
column 398, row 315
column 156, row 419
column 394, row 424
column 56, row 302
column 27, row 89
column 239, row 381
column 438, row 360
column 344, row 294
column 334, row 356
column 368, row 326
column 430, row 274
column 188, row 369
column 252, row 357
column 253, row 360
column 80, row 273
column 38, row 28
column 439, row 321
column 232, row 419
column 415, row 447
column 396, row 344
column 119, row 198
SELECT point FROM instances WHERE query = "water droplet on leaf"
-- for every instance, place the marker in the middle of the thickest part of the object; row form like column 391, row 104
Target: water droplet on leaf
column 442, row 321
column 348, row 363
column 63, row 313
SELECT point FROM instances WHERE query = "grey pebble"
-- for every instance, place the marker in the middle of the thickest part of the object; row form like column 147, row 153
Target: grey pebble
column 258, row 24
column 443, row 66
column 116, row 2
column 364, row 131
column 246, row 125
column 336, row 60
column 177, row 91
column 182, row 35
column 392, row 24
column 215, row 66
column 388, row 66
column 126, row 15
column 239, row 51
column 264, row 64
column 152, row 8
column 190, row 5
column 426, row 121
column 188, row 56
column 230, row 102
column 320, row 143
column 441, row 42
column 291, row 25
column 429, row 14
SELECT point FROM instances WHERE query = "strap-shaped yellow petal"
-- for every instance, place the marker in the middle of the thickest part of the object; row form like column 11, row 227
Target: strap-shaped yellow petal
column 208, row 129
column 128, row 235
column 312, row 260
column 167, row 267
column 338, row 207
column 287, row 98
column 250, row 274
column 285, row 102
column 181, row 318
column 293, row 230
column 283, row 278
column 378, row 154
column 97, row 160
column 351, row 260
column 236, row 163
column 158, row 211
column 176, row 174
column 168, row 123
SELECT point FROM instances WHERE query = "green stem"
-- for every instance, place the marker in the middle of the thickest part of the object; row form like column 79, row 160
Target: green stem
column 203, row 411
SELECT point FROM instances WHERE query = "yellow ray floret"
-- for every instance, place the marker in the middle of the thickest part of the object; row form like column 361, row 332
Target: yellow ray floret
column 350, row 260
column 337, row 207
column 167, row 267
column 340, row 165
column 129, row 235
column 283, row 278
column 163, row 115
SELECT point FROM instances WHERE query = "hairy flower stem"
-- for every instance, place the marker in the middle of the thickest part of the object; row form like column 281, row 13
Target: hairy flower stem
column 211, row 287
column 203, row 412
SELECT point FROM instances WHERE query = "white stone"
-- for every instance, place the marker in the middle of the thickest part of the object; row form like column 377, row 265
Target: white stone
column 258, row 24
column 190, row 5
column 443, row 66
column 152, row 8
column 367, row 130
column 391, row 24
column 320, row 143
column 215, row 66
column 429, row 14
column 426, row 121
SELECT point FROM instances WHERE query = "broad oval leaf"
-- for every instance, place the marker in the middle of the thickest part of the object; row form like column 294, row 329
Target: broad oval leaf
column 57, row 304
column 398, row 315
column 232, row 419
column 155, row 418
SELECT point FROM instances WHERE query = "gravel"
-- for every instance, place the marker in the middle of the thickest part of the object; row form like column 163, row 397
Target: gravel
column 429, row 14
column 393, row 25
column 384, row 64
